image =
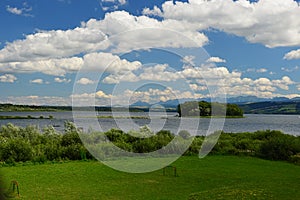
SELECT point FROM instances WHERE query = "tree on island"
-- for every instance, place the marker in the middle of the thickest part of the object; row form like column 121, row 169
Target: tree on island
column 203, row 108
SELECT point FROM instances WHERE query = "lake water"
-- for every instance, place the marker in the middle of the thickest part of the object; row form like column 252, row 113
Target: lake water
column 289, row 124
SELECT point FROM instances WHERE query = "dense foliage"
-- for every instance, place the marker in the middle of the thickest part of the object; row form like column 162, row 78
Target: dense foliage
column 29, row 144
column 271, row 145
column 19, row 144
column 203, row 108
column 135, row 142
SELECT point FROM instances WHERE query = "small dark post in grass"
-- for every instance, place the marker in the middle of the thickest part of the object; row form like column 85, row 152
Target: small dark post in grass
column 14, row 185
column 172, row 168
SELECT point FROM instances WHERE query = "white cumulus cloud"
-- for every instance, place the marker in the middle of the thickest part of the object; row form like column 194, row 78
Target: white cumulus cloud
column 109, row 62
column 273, row 23
column 111, row 4
column 295, row 54
column 155, row 11
column 85, row 81
column 62, row 80
column 59, row 67
column 131, row 32
column 37, row 81
column 216, row 60
column 8, row 78
column 53, row 44
column 283, row 83
column 189, row 60
column 262, row 70
column 24, row 11
column 56, row 52
column 101, row 94
column 296, row 68
column 14, row 10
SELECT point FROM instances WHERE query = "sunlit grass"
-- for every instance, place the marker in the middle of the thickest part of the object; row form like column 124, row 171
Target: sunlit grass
column 223, row 177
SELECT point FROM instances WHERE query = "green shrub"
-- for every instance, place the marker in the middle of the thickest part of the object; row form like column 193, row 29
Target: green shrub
column 295, row 159
column 40, row 159
column 70, row 138
column 16, row 150
column 195, row 146
column 10, row 131
column 247, row 146
column 266, row 135
column 53, row 151
column 277, row 148
column 72, row 152
column 184, row 134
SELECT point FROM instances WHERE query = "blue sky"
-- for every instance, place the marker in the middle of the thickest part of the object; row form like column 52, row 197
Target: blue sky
column 122, row 51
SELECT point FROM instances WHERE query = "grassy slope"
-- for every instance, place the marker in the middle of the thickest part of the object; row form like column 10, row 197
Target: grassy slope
column 210, row 178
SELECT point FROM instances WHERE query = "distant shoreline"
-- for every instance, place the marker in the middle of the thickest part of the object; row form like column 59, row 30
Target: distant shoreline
column 7, row 117
column 271, row 108
column 235, row 117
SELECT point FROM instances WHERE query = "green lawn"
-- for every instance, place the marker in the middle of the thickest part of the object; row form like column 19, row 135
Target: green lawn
column 214, row 177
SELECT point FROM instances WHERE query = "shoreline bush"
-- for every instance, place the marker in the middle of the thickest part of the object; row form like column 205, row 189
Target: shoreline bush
column 18, row 144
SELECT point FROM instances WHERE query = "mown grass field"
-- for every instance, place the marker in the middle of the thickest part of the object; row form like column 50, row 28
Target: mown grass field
column 214, row 177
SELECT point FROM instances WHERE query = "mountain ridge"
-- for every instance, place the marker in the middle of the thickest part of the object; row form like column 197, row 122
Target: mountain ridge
column 249, row 104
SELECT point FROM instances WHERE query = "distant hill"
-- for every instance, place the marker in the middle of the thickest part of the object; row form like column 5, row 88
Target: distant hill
column 271, row 107
column 234, row 100
column 254, row 99
column 255, row 105
column 140, row 104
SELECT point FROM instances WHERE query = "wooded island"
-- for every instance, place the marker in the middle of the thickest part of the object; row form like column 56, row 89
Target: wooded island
column 207, row 109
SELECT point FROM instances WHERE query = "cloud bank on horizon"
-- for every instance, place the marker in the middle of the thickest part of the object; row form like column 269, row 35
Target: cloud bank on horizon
column 54, row 56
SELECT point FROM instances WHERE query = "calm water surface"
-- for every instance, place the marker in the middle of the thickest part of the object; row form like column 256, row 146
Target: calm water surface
column 289, row 124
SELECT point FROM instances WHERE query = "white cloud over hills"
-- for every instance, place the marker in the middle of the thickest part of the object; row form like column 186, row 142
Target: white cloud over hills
column 200, row 79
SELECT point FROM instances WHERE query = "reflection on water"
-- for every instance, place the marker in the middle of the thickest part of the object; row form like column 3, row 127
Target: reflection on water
column 156, row 121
